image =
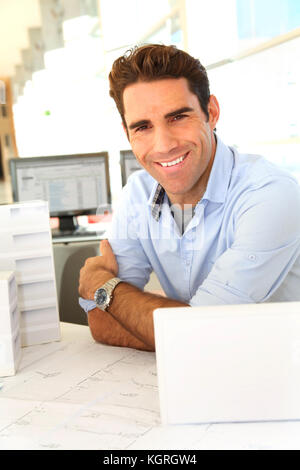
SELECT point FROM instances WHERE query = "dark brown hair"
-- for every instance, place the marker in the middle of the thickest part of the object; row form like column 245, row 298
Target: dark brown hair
column 155, row 62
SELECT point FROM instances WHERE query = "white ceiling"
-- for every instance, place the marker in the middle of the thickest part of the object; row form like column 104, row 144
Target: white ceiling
column 16, row 16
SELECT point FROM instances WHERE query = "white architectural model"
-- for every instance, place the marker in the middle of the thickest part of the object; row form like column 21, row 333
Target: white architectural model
column 10, row 340
column 26, row 249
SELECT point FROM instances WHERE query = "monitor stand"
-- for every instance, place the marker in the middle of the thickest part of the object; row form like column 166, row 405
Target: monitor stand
column 69, row 231
column 68, row 226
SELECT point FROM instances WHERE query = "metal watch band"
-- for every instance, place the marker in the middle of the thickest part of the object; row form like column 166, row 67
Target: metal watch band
column 112, row 283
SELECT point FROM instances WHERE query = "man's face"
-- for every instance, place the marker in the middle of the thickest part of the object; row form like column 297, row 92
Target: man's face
column 170, row 135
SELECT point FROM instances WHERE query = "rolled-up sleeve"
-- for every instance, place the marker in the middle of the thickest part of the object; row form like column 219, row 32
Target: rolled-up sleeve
column 265, row 247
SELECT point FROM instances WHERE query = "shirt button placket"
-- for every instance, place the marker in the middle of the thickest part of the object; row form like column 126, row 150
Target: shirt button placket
column 187, row 260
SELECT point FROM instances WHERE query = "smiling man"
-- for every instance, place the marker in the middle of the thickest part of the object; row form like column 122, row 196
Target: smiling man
column 216, row 226
column 176, row 147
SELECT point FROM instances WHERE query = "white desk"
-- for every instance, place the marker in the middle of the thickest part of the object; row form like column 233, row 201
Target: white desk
column 77, row 394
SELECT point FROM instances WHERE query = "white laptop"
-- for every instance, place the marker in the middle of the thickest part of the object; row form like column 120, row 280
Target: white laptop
column 228, row 363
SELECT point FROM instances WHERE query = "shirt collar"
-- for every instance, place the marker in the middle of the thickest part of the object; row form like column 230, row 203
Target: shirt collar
column 220, row 175
column 218, row 182
column 156, row 199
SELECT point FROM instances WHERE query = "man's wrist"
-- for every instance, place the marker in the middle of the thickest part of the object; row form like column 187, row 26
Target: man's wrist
column 87, row 302
column 104, row 295
column 95, row 286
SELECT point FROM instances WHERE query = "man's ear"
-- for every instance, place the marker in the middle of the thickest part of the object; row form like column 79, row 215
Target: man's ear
column 213, row 110
column 125, row 130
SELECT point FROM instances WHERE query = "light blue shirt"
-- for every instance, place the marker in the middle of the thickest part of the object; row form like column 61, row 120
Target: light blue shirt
column 241, row 246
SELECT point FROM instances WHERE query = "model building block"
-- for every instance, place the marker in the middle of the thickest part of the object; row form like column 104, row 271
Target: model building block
column 10, row 339
column 26, row 249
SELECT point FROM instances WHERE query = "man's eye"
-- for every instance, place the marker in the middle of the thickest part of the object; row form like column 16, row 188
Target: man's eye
column 179, row 117
column 141, row 128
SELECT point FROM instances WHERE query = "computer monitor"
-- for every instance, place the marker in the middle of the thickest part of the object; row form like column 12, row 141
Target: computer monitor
column 129, row 164
column 72, row 184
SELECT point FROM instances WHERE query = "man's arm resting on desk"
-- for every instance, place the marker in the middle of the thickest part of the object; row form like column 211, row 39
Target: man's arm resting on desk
column 131, row 309
column 105, row 329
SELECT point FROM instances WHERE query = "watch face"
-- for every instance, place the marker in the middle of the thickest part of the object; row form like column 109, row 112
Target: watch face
column 101, row 296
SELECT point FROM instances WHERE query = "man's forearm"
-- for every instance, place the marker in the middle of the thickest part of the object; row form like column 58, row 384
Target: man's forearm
column 128, row 321
column 133, row 309
column 106, row 329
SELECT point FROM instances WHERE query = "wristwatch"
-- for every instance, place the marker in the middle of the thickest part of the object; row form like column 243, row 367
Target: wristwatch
column 103, row 296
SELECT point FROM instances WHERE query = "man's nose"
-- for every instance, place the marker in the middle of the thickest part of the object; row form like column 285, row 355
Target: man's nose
column 164, row 140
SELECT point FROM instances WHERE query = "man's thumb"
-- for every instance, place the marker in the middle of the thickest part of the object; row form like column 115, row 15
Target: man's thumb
column 104, row 247
column 106, row 250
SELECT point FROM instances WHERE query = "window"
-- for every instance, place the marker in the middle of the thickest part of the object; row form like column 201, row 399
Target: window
column 4, row 110
column 2, row 92
column 251, row 51
column 264, row 19
column 7, row 140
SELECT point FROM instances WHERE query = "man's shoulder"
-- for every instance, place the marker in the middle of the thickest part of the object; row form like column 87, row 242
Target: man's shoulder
column 256, row 180
column 253, row 171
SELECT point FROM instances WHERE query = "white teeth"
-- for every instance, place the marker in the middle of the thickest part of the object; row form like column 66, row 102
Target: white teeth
column 174, row 162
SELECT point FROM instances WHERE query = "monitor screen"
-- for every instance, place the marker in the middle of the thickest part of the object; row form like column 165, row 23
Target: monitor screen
column 129, row 164
column 72, row 184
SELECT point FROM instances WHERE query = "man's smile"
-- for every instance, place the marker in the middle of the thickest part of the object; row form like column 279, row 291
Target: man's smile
column 173, row 163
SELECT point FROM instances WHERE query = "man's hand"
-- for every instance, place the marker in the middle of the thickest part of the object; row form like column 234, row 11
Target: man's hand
column 97, row 270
